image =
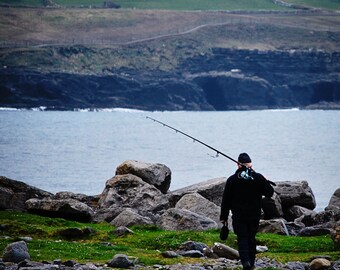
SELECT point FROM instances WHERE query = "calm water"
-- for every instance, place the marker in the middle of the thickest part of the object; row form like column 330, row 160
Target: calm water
column 79, row 151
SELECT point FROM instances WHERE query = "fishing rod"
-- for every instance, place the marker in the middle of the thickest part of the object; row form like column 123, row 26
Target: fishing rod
column 218, row 152
column 196, row 140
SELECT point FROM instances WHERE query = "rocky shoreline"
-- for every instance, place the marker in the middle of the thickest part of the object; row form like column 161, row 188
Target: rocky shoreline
column 139, row 195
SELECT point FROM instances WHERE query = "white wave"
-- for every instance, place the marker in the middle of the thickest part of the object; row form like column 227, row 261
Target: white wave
column 8, row 109
column 38, row 109
column 108, row 110
column 283, row 110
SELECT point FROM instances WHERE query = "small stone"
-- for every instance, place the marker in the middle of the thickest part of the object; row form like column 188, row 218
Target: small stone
column 320, row 263
column 120, row 261
column 122, row 230
column 169, row 254
column 191, row 253
column 16, row 252
column 261, row 249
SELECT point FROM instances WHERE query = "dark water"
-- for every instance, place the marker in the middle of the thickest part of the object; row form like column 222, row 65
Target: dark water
column 79, row 151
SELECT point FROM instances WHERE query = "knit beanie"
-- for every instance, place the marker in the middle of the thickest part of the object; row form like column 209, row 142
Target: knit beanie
column 244, row 158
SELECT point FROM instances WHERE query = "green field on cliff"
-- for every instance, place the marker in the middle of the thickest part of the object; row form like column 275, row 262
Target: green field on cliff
column 146, row 243
column 185, row 4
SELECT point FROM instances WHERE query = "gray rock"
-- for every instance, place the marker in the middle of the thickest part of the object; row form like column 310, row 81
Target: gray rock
column 14, row 194
column 196, row 203
column 334, row 202
column 327, row 218
column 296, row 266
column 319, row 264
column 295, row 193
column 107, row 213
column 211, row 189
column 130, row 191
column 191, row 253
column 273, row 226
column 294, row 227
column 122, row 230
column 181, row 219
column 76, row 233
column 225, row 251
column 120, row 261
column 16, row 252
column 314, row 231
column 170, row 254
column 69, row 209
column 130, row 218
column 272, row 207
column 91, row 201
column 192, row 245
column 297, row 211
column 157, row 174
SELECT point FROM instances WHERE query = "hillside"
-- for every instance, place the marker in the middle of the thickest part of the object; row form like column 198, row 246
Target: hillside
column 164, row 60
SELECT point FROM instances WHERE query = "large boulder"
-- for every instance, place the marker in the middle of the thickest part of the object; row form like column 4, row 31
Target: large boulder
column 68, row 208
column 277, row 226
column 314, row 231
column 211, row 189
column 175, row 219
column 130, row 191
column 295, row 193
column 272, row 207
column 91, row 201
column 16, row 252
column 325, row 218
column 129, row 218
column 297, row 211
column 196, row 203
column 155, row 174
column 14, row 194
column 334, row 202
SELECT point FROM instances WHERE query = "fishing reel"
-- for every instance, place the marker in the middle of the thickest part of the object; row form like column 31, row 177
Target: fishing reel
column 246, row 175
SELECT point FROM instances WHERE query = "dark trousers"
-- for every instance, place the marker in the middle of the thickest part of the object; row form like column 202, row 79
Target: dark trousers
column 246, row 231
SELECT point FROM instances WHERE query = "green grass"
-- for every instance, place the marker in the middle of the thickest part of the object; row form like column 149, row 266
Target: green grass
column 146, row 243
column 185, row 4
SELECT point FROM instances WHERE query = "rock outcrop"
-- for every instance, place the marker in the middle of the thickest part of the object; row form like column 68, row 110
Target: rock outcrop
column 181, row 219
column 334, row 202
column 295, row 193
column 157, row 175
column 68, row 209
column 129, row 191
column 14, row 194
column 196, row 203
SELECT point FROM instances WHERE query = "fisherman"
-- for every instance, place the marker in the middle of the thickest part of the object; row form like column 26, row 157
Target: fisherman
column 242, row 196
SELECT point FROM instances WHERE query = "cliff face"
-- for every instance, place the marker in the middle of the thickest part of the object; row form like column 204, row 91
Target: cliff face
column 224, row 79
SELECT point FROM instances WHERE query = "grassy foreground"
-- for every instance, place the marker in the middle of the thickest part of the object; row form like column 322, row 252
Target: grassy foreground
column 146, row 243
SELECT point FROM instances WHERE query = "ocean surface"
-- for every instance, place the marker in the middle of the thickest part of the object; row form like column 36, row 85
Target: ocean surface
column 78, row 151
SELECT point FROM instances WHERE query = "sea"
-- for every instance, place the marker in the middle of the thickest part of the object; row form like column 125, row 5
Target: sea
column 79, row 150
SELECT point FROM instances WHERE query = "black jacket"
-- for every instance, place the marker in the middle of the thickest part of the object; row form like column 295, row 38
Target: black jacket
column 243, row 197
